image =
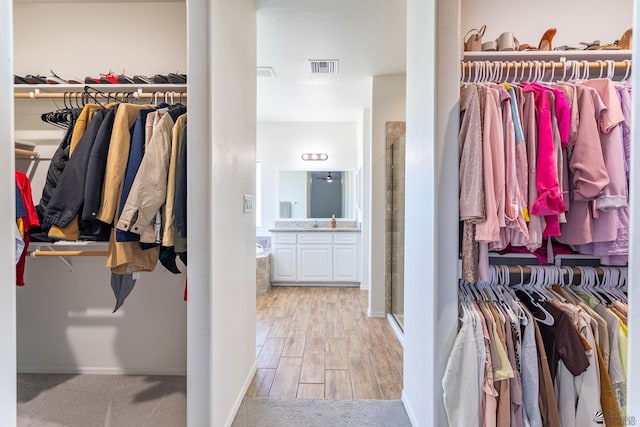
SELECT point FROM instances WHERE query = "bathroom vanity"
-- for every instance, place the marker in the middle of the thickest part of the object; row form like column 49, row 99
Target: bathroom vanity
column 315, row 256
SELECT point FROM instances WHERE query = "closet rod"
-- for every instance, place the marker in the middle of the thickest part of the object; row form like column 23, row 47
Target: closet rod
column 546, row 65
column 39, row 253
column 24, row 152
column 515, row 271
column 107, row 95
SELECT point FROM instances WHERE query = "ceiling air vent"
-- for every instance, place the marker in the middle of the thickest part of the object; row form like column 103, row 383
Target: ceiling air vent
column 265, row 72
column 324, row 66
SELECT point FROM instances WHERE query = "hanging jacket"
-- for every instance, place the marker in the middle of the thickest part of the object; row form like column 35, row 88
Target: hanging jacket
column 68, row 196
column 148, row 192
column 136, row 153
column 117, row 160
column 96, row 167
column 56, row 167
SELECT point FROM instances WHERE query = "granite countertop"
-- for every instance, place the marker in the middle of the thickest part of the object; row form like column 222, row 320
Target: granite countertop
column 317, row 229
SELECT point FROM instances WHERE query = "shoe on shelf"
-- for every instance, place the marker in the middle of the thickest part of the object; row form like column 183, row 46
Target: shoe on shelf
column 140, row 79
column 547, row 37
column 177, row 78
column 160, row 79
column 35, row 80
column 109, row 78
column 625, row 41
column 490, row 46
column 473, row 39
column 507, row 42
column 19, row 80
column 545, row 42
column 594, row 45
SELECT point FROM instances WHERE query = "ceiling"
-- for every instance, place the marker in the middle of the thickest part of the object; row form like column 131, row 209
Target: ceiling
column 368, row 37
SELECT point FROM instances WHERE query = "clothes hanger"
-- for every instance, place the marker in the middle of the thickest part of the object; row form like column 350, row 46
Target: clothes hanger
column 627, row 73
column 548, row 318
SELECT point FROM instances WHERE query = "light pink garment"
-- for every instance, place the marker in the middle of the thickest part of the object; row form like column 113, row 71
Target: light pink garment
column 586, row 163
column 488, row 230
column 611, row 220
column 515, row 230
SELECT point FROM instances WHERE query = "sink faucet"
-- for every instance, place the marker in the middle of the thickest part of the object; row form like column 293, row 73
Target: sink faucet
column 315, row 224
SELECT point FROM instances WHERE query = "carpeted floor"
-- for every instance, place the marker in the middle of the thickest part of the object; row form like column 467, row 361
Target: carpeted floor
column 101, row 400
column 262, row 412
column 160, row 401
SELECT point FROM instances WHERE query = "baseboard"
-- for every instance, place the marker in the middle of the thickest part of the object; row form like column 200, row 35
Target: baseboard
column 317, row 284
column 245, row 387
column 76, row 370
column 364, row 286
column 376, row 313
column 407, row 407
column 396, row 328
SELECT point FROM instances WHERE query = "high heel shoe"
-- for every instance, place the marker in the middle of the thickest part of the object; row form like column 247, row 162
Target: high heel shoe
column 545, row 41
column 625, row 41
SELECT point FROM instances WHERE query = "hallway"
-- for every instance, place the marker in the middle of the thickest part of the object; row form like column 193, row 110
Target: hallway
column 318, row 343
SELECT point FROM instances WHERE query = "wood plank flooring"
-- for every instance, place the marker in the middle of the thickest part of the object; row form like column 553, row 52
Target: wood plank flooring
column 318, row 343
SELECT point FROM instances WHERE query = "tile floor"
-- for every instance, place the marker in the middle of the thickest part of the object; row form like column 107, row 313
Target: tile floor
column 318, row 343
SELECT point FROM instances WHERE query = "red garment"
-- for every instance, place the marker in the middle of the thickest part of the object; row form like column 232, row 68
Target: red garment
column 185, row 289
column 29, row 221
column 550, row 202
column 24, row 186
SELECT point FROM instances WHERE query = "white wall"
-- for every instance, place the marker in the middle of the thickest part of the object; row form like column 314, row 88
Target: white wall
column 85, row 39
column 66, row 325
column 280, row 145
column 431, row 212
column 576, row 20
column 222, row 160
column 388, row 104
column 364, row 196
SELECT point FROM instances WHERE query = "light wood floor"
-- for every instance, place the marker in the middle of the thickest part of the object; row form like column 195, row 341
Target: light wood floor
column 318, row 343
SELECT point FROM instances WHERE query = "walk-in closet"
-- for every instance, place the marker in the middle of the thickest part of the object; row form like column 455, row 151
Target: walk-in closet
column 62, row 321
column 575, row 23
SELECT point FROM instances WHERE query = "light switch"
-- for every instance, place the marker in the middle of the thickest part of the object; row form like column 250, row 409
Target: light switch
column 249, row 203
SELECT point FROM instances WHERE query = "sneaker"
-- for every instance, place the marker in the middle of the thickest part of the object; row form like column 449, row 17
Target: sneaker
column 177, row 78
column 35, row 80
column 140, row 79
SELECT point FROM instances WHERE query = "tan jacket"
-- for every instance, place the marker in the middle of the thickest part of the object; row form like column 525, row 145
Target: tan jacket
column 117, row 160
column 170, row 231
column 149, row 188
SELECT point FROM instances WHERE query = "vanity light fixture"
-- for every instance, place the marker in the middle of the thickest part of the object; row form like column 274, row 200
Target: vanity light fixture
column 314, row 156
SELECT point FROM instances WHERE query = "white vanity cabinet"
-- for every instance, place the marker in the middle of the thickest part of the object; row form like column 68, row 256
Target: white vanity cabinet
column 283, row 257
column 318, row 256
column 314, row 257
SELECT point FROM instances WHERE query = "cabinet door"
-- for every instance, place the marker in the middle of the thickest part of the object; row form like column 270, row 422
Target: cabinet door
column 345, row 263
column 314, row 263
column 283, row 266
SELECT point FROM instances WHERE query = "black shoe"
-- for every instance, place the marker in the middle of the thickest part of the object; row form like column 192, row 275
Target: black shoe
column 160, row 79
column 35, row 80
column 177, row 78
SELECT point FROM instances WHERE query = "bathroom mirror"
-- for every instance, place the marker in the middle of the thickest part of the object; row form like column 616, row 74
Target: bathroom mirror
column 315, row 194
